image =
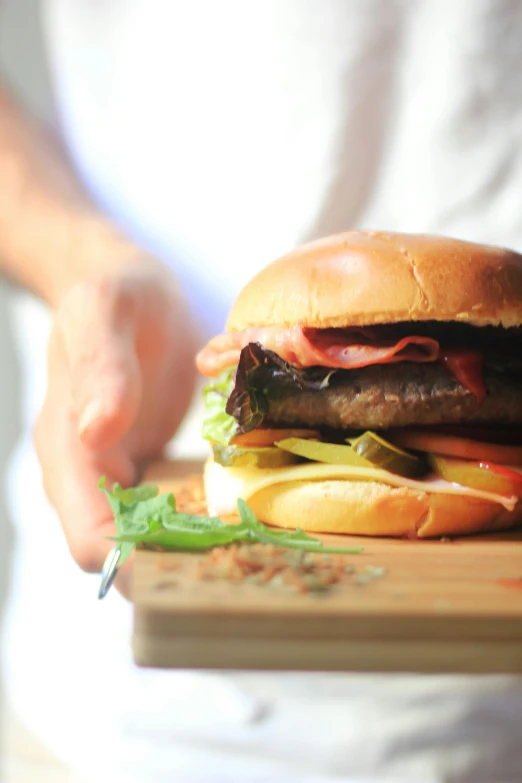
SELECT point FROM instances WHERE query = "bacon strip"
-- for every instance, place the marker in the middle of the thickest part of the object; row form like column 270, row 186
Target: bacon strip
column 336, row 348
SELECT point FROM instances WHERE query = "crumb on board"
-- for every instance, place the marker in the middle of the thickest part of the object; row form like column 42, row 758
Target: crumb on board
column 369, row 573
column 266, row 564
column 167, row 563
column 190, row 497
column 166, row 584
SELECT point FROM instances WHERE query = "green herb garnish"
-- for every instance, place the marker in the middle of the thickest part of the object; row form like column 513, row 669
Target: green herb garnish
column 142, row 516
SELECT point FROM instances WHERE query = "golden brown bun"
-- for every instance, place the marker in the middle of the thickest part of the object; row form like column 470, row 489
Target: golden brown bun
column 369, row 277
column 365, row 508
column 374, row 509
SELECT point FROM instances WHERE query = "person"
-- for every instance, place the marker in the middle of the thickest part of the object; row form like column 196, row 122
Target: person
column 207, row 139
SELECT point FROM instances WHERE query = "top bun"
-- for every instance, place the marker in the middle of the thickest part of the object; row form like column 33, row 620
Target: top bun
column 370, row 277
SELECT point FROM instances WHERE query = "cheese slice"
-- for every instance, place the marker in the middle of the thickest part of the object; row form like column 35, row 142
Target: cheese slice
column 233, row 483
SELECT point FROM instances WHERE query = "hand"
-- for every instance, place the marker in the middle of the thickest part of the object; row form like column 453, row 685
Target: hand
column 120, row 378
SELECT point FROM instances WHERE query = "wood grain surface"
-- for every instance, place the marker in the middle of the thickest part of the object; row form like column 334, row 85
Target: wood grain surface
column 441, row 606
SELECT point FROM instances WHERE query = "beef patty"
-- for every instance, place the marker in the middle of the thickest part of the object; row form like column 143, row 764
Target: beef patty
column 398, row 395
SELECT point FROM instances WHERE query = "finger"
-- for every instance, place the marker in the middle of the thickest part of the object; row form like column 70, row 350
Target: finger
column 71, row 472
column 99, row 343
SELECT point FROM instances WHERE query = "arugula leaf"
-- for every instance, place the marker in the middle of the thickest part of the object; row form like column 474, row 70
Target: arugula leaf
column 133, row 494
column 131, row 511
column 247, row 516
column 218, row 425
column 289, row 539
column 144, row 517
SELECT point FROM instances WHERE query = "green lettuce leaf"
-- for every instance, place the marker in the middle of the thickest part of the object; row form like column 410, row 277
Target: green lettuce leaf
column 218, row 425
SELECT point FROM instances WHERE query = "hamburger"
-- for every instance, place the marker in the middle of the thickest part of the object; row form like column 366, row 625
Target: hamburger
column 370, row 383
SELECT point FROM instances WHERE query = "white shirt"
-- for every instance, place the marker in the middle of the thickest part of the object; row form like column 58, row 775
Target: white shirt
column 221, row 135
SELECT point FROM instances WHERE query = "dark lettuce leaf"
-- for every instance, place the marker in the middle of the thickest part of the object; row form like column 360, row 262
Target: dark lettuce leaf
column 262, row 374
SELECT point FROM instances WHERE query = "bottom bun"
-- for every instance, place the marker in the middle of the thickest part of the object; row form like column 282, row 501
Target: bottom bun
column 365, row 508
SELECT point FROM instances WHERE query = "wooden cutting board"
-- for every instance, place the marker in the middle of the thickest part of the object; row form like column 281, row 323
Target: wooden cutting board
column 441, row 606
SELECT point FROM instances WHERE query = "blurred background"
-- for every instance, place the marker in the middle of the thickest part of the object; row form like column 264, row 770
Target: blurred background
column 22, row 60
column 471, row 188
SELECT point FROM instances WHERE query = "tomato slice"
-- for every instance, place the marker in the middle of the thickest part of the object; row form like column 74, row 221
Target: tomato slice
column 485, row 476
column 267, row 437
column 496, row 435
column 506, row 473
column 434, row 443
column 467, row 368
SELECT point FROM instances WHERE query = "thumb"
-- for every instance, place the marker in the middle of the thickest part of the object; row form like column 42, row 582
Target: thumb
column 104, row 375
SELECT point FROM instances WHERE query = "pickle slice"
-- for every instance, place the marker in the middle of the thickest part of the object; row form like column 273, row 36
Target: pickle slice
column 387, row 456
column 477, row 475
column 331, row 453
column 265, row 457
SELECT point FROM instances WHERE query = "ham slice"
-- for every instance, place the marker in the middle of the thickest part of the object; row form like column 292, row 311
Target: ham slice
column 336, row 348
